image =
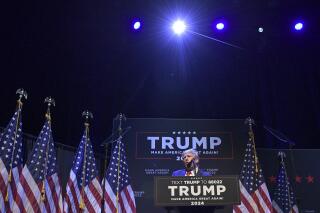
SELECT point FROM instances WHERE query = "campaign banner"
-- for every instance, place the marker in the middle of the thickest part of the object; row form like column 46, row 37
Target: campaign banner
column 168, row 145
column 197, row 191
column 154, row 148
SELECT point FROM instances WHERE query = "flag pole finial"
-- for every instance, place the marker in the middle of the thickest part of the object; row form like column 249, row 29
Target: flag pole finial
column 282, row 156
column 250, row 122
column 120, row 117
column 50, row 102
column 87, row 115
column 22, row 94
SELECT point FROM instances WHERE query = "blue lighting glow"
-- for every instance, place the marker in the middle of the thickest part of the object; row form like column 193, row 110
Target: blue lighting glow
column 137, row 25
column 220, row 26
column 179, row 27
column 298, row 26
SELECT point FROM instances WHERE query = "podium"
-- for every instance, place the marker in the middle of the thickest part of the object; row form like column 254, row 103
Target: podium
column 196, row 191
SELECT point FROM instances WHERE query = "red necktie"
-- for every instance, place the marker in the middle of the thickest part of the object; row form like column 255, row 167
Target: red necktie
column 188, row 173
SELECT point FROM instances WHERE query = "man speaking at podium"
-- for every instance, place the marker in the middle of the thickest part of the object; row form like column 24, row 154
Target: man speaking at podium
column 190, row 160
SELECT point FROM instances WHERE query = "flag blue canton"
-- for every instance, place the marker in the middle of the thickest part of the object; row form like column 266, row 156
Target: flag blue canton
column 118, row 165
column 283, row 194
column 90, row 164
column 250, row 179
column 42, row 161
column 9, row 149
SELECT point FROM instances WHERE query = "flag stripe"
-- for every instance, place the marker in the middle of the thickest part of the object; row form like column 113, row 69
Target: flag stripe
column 276, row 207
column 74, row 196
column 2, row 204
column 3, row 186
column 246, row 203
column 14, row 197
column 30, row 191
column 50, row 192
column 95, row 194
column 257, row 201
column 121, row 204
column 109, row 198
column 263, row 192
column 236, row 209
column 129, row 198
column 54, row 191
column 87, row 202
column 68, row 207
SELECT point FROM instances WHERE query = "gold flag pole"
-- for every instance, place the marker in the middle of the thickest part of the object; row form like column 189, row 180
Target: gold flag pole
column 87, row 115
column 50, row 102
column 22, row 94
column 250, row 122
column 120, row 117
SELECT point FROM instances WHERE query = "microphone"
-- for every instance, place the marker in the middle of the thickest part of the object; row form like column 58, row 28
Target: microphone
column 190, row 166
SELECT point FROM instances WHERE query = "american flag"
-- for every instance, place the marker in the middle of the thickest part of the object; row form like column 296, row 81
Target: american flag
column 39, row 186
column 118, row 193
column 10, row 161
column 83, row 192
column 254, row 194
column 284, row 200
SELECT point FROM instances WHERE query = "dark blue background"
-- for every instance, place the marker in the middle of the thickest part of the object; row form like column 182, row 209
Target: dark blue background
column 84, row 54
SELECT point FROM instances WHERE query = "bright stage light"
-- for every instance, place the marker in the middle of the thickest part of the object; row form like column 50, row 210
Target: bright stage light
column 298, row 26
column 220, row 26
column 137, row 25
column 260, row 29
column 179, row 27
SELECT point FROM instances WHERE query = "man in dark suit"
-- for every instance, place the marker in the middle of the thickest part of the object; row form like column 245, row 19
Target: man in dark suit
column 190, row 159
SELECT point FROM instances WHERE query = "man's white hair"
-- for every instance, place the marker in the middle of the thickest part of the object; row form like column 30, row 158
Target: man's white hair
column 193, row 152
